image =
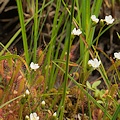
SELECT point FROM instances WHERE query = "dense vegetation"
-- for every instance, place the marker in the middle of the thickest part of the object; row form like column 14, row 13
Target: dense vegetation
column 60, row 59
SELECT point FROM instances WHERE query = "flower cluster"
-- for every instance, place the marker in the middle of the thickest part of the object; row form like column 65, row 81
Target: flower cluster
column 95, row 63
column 108, row 19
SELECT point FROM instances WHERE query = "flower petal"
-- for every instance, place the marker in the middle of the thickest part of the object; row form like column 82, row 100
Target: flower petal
column 34, row 66
column 117, row 55
column 94, row 63
column 94, row 19
column 76, row 32
column 109, row 19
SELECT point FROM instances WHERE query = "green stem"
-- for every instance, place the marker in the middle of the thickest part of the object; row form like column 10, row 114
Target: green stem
column 35, row 31
column 67, row 61
column 21, row 17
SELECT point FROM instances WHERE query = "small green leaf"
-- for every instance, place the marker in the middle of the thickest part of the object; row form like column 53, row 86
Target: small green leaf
column 95, row 84
column 88, row 85
column 97, row 93
column 100, row 101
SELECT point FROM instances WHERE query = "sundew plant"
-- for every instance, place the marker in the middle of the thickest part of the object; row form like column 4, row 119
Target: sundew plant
column 68, row 65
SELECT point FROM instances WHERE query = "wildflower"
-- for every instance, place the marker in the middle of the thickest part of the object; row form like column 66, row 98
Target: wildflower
column 33, row 116
column 54, row 114
column 117, row 55
column 94, row 19
column 27, row 92
column 94, row 63
column 34, row 66
column 109, row 19
column 43, row 102
column 27, row 117
column 76, row 32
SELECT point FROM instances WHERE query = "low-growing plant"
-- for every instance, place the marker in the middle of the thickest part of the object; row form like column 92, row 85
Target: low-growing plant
column 53, row 81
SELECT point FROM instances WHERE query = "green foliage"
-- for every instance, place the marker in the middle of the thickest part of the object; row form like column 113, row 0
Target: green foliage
column 97, row 93
column 62, row 83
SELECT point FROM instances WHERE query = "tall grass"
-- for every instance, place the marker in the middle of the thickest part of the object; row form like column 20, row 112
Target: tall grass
column 52, row 81
column 24, row 37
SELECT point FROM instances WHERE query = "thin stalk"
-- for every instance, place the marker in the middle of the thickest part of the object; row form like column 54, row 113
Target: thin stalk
column 21, row 17
column 35, row 31
column 10, row 101
column 53, row 71
column 86, row 27
column 89, row 32
column 116, row 113
column 20, row 112
column 50, row 53
column 79, row 12
column 104, row 76
column 90, row 115
column 67, row 61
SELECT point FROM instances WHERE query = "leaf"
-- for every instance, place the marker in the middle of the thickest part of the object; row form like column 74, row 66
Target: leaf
column 97, row 93
column 40, row 57
column 1, row 93
column 116, row 113
column 88, row 85
column 95, row 84
column 100, row 101
column 39, row 80
column 21, row 84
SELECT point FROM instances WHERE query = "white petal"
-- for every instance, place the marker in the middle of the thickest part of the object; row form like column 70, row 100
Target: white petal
column 94, row 63
column 94, row 19
column 43, row 102
column 27, row 92
column 117, row 55
column 109, row 19
column 54, row 114
column 34, row 66
column 76, row 32
column 33, row 116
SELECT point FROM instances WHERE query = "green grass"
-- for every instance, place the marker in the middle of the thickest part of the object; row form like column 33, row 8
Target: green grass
column 63, row 84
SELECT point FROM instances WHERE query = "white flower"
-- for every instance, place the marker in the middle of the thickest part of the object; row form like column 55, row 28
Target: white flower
column 43, row 102
column 109, row 19
column 34, row 66
column 76, row 32
column 117, row 55
column 33, row 116
column 27, row 92
column 94, row 19
column 54, row 114
column 94, row 63
column 27, row 117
